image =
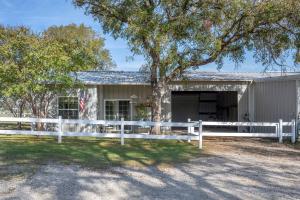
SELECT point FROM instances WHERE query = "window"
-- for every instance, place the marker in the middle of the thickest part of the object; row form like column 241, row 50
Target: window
column 116, row 109
column 124, row 110
column 110, row 110
column 68, row 107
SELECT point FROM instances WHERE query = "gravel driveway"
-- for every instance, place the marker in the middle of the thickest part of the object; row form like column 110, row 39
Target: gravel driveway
column 230, row 169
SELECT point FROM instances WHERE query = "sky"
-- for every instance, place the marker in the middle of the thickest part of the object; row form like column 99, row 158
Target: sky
column 40, row 14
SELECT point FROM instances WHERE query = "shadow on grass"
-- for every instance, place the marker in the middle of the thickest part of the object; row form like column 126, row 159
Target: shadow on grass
column 92, row 152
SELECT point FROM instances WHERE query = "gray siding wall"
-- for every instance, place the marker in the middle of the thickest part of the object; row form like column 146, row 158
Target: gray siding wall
column 275, row 100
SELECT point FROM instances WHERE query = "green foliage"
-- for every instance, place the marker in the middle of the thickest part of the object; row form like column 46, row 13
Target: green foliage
column 178, row 35
column 35, row 67
column 142, row 112
column 85, row 46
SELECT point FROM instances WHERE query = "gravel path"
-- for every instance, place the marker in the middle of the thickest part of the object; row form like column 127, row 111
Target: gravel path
column 231, row 170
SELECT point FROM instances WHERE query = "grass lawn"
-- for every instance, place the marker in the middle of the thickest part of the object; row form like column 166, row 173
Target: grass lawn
column 92, row 152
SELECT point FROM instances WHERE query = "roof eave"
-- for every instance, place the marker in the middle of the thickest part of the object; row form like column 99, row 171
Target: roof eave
column 176, row 81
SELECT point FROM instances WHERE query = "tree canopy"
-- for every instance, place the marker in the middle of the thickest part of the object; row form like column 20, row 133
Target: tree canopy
column 36, row 67
column 183, row 34
column 82, row 42
column 178, row 35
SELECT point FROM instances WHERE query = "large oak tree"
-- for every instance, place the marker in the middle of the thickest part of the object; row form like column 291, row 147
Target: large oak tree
column 178, row 35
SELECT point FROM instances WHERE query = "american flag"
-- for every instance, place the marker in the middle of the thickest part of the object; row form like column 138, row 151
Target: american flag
column 82, row 100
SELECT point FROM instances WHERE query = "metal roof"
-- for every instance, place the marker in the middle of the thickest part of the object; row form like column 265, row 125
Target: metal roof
column 113, row 78
column 143, row 78
column 229, row 76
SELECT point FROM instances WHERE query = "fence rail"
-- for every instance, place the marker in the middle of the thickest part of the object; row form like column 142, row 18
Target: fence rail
column 190, row 125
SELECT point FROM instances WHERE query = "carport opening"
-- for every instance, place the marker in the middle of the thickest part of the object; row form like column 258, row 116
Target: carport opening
column 205, row 105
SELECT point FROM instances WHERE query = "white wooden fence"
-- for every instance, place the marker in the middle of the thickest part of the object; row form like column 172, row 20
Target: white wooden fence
column 190, row 125
column 278, row 129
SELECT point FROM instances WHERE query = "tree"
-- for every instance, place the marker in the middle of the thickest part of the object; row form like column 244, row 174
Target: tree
column 15, row 105
column 74, row 37
column 36, row 67
column 177, row 35
column 14, row 46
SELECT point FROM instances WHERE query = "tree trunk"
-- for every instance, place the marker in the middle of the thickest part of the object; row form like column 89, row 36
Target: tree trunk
column 157, row 94
column 156, row 109
column 36, row 112
column 41, row 126
column 20, row 115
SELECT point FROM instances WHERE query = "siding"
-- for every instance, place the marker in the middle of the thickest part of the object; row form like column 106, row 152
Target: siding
column 126, row 91
column 274, row 100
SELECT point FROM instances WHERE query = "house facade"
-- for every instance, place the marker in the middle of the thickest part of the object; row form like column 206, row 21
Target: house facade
column 110, row 95
column 211, row 96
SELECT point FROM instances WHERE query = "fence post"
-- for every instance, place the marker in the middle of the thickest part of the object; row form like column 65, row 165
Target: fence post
column 280, row 131
column 189, row 131
column 192, row 129
column 200, row 134
column 60, row 129
column 32, row 127
column 293, row 132
column 122, row 131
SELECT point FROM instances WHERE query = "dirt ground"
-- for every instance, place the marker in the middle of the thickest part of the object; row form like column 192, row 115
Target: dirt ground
column 228, row 169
